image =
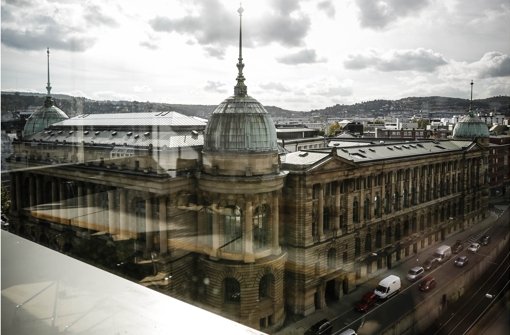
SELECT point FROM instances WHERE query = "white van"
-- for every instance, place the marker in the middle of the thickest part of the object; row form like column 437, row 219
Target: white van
column 388, row 287
column 443, row 253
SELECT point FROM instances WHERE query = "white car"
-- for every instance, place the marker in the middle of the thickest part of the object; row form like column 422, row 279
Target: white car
column 474, row 247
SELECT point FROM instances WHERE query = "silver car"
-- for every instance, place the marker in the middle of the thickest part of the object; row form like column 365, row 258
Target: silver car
column 415, row 273
column 474, row 247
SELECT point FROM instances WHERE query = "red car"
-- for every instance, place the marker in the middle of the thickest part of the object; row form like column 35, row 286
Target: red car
column 427, row 284
column 367, row 301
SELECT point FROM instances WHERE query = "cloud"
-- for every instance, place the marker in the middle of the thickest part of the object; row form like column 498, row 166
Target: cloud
column 215, row 86
column 51, row 37
column 94, row 16
column 328, row 87
column 493, row 64
column 272, row 86
column 328, row 8
column 215, row 27
column 149, row 45
column 421, row 60
column 305, row 56
column 378, row 14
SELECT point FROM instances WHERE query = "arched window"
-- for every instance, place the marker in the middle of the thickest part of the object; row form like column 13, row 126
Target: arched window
column 232, row 291
column 331, row 259
column 398, row 234
column 265, row 286
column 366, row 210
column 368, row 242
column 378, row 238
column 388, row 234
column 261, row 227
column 377, row 209
column 355, row 211
column 357, row 246
column 232, row 231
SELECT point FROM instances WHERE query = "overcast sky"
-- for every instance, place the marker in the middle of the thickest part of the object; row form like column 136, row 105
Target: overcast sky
column 298, row 54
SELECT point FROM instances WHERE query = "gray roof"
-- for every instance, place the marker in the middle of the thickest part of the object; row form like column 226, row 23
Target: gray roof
column 240, row 124
column 42, row 118
column 470, row 127
column 375, row 152
column 133, row 119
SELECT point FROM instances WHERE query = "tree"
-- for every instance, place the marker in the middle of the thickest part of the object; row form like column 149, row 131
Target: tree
column 333, row 129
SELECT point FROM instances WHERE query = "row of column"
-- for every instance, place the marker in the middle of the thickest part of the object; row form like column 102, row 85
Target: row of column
column 87, row 210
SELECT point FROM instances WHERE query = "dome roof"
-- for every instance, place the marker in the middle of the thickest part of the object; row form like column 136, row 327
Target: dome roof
column 240, row 124
column 44, row 117
column 470, row 127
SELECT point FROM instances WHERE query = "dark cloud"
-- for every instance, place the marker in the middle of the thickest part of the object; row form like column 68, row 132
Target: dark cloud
column 379, row 14
column 94, row 16
column 50, row 37
column 149, row 45
column 215, row 86
column 494, row 64
column 327, row 7
column 272, row 86
column 215, row 27
column 422, row 60
column 305, row 56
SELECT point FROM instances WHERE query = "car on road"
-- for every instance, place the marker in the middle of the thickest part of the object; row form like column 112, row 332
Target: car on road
column 457, row 247
column 430, row 263
column 323, row 327
column 474, row 247
column 427, row 284
column 461, row 261
column 415, row 273
column 484, row 240
column 367, row 301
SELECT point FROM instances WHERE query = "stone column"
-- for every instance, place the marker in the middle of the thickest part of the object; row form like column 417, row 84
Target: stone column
column 149, row 243
column 111, row 212
column 163, row 236
column 321, row 212
column 123, row 214
column 275, row 243
column 81, row 206
column 336, row 219
column 63, row 209
column 39, row 190
column 90, row 207
column 215, row 231
column 54, row 199
column 31, row 190
column 14, row 192
column 248, row 233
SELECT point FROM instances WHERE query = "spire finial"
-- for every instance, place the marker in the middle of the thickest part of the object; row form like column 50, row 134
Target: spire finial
column 48, row 86
column 471, row 99
column 240, row 89
column 49, row 101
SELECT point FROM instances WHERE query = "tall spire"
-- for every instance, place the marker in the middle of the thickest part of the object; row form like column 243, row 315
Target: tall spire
column 48, row 86
column 240, row 90
column 49, row 101
column 471, row 99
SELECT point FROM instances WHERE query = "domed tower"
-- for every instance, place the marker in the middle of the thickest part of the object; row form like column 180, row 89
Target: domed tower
column 470, row 127
column 46, row 115
column 242, row 266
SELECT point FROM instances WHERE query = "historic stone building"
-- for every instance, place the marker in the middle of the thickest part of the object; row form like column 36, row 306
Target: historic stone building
column 216, row 215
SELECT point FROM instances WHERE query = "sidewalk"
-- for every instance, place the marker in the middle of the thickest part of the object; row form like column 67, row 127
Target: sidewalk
column 347, row 302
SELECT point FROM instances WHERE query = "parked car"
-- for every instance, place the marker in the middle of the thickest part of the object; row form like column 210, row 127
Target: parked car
column 427, row 284
column 457, row 247
column 474, row 247
column 367, row 301
column 388, row 287
column 323, row 327
column 461, row 261
column 415, row 273
column 484, row 240
column 430, row 263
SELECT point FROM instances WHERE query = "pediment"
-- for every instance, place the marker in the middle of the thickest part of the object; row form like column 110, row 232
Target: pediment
column 333, row 163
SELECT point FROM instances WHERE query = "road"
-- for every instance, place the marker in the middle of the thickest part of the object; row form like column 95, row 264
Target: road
column 386, row 313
